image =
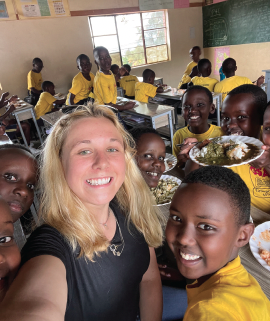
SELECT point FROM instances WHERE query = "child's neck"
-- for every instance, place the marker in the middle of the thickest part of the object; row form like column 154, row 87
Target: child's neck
column 205, row 74
column 231, row 74
column 201, row 129
column 86, row 76
column 105, row 71
column 34, row 70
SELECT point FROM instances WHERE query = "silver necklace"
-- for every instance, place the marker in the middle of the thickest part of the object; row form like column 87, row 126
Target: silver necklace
column 113, row 247
column 105, row 224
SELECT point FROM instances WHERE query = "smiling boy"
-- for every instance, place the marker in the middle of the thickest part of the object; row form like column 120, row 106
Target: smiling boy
column 208, row 225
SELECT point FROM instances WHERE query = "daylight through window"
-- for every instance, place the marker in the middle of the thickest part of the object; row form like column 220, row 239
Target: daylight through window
column 134, row 39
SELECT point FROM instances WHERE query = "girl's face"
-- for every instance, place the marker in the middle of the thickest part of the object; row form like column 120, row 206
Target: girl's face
column 93, row 159
column 18, row 175
column 266, row 127
column 150, row 157
column 10, row 257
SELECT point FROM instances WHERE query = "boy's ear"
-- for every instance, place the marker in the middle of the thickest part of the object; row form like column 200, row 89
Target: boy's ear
column 235, row 68
column 244, row 235
column 212, row 109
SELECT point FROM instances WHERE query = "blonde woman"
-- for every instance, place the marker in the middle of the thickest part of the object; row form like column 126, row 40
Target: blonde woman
column 93, row 259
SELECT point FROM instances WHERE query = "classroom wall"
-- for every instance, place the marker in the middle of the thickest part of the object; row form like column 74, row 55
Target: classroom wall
column 59, row 41
column 251, row 59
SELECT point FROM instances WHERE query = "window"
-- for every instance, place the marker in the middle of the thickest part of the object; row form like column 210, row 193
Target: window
column 135, row 39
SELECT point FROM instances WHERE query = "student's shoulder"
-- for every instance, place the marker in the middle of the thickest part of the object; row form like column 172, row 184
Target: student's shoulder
column 214, row 80
column 182, row 133
column 78, row 77
column 242, row 80
column 216, row 131
column 92, row 76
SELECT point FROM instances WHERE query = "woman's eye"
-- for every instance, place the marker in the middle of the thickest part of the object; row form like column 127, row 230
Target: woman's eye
column 112, row 150
column 6, row 239
column 84, row 152
column 10, row 177
column 175, row 218
column 205, row 227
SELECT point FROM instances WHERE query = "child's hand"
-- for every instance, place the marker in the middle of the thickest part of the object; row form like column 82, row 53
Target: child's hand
column 260, row 81
column 183, row 156
column 13, row 98
column 5, row 95
column 130, row 105
column 168, row 273
column 264, row 160
column 11, row 108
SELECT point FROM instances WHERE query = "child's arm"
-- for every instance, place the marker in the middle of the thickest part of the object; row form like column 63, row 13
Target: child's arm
column 60, row 101
column 264, row 160
column 160, row 89
column 71, row 99
column 8, row 112
column 3, row 100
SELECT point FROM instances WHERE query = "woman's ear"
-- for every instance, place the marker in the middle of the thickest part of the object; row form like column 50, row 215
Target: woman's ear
column 212, row 109
column 245, row 233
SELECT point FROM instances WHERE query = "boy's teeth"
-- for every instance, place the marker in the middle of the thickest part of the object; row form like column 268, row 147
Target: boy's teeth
column 152, row 173
column 99, row 181
column 194, row 117
column 189, row 257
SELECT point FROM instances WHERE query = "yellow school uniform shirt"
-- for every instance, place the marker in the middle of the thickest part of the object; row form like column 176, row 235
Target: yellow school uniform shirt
column 181, row 134
column 128, row 84
column 230, row 294
column 143, row 91
column 228, row 84
column 207, row 82
column 105, row 90
column 258, row 183
column 185, row 79
column 81, row 87
column 44, row 104
column 34, row 79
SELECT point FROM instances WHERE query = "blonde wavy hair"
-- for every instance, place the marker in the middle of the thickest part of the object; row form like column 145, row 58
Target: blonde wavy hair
column 63, row 210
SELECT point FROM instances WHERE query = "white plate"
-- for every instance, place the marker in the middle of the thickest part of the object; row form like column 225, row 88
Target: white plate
column 256, row 243
column 168, row 88
column 166, row 177
column 173, row 159
column 224, row 139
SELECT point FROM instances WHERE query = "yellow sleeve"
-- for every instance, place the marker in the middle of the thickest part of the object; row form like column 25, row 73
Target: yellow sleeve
column 185, row 79
column 76, row 86
column 30, row 81
column 98, row 91
column 151, row 91
column 50, row 99
column 136, row 79
column 92, row 78
column 177, row 139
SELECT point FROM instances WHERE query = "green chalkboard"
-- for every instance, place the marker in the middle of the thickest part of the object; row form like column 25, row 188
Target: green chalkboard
column 236, row 22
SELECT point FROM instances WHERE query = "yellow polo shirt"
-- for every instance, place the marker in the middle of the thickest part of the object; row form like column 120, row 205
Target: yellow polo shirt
column 231, row 294
column 44, row 104
column 228, row 84
column 143, row 91
column 128, row 84
column 207, row 82
column 105, row 90
column 181, row 134
column 81, row 87
column 186, row 79
column 34, row 79
column 258, row 183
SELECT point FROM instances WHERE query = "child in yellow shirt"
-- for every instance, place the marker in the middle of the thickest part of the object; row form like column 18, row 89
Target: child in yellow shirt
column 197, row 105
column 105, row 90
column 128, row 82
column 82, row 83
column 205, row 69
column 208, row 224
column 146, row 89
column 46, row 101
column 194, row 54
column 34, row 80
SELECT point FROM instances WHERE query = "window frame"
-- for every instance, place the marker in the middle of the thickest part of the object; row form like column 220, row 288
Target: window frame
column 143, row 38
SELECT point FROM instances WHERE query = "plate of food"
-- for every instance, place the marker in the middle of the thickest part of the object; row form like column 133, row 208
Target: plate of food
column 260, row 244
column 170, row 162
column 227, row 151
column 165, row 189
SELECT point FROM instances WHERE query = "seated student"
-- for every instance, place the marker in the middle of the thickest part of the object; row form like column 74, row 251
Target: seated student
column 242, row 114
column 128, row 82
column 10, row 256
column 150, row 155
column 208, row 224
column 18, row 178
column 197, row 105
column 82, row 83
column 115, row 71
column 205, row 69
column 46, row 100
column 146, row 89
column 194, row 53
column 34, row 80
column 232, row 81
column 105, row 92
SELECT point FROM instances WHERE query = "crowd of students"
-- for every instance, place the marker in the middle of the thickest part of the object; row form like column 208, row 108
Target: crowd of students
column 94, row 257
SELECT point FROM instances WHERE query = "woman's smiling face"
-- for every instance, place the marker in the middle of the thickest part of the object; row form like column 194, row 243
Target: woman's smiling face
column 93, row 159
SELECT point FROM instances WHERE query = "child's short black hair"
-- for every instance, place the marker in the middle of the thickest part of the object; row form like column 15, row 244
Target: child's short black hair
column 137, row 132
column 82, row 56
column 203, row 64
column 259, row 95
column 196, row 48
column 229, row 182
column 228, row 65
column 207, row 91
column 147, row 73
column 46, row 84
column 127, row 67
column 16, row 146
column 37, row 60
column 113, row 67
